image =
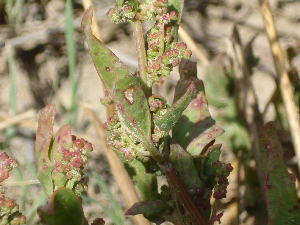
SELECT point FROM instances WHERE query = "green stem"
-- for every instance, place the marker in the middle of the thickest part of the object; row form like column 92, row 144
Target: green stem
column 157, row 156
column 138, row 34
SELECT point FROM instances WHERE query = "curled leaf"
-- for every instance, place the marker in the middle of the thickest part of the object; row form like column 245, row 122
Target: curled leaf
column 195, row 128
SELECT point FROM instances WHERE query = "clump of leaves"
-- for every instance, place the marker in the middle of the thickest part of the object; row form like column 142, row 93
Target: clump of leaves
column 60, row 163
column 152, row 136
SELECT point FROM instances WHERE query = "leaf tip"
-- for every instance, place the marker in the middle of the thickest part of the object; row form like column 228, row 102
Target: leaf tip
column 87, row 18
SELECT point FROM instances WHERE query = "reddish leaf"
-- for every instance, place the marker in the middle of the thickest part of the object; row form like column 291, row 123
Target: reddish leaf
column 281, row 196
column 42, row 145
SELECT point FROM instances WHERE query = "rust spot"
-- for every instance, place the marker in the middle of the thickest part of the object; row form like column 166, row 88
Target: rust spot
column 269, row 186
column 198, row 103
column 107, row 69
column 296, row 207
column 129, row 95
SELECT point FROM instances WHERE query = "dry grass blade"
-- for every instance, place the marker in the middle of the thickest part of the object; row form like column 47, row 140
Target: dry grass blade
column 17, row 119
column 19, row 183
column 95, row 26
column 120, row 174
column 283, row 79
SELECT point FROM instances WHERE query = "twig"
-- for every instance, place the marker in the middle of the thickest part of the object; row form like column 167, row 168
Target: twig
column 120, row 174
column 283, row 79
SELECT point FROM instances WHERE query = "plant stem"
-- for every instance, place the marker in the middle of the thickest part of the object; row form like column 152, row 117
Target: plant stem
column 138, row 34
column 178, row 187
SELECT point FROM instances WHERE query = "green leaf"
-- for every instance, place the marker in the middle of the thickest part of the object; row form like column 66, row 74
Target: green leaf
column 42, row 146
column 123, row 87
column 168, row 119
column 120, row 2
column 152, row 210
column 183, row 163
column 218, row 85
column 64, row 208
column 144, row 180
column 195, row 127
column 209, row 171
column 282, row 202
column 176, row 5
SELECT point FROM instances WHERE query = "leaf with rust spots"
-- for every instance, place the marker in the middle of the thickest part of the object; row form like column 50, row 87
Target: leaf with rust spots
column 168, row 119
column 124, row 88
column 62, row 140
column 283, row 204
column 42, row 146
column 195, row 127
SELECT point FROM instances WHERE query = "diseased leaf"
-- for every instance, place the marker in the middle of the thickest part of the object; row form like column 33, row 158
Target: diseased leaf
column 145, row 181
column 282, row 201
column 168, row 119
column 123, row 87
column 42, row 145
column 195, row 128
column 64, row 208
column 62, row 140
